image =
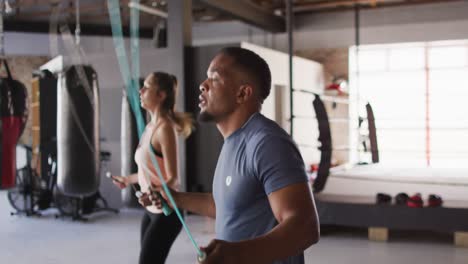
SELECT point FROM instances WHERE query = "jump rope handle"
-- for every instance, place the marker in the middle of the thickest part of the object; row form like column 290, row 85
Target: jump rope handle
column 201, row 257
column 167, row 210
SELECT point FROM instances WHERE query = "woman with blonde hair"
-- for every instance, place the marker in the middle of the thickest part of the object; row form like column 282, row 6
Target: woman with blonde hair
column 157, row 97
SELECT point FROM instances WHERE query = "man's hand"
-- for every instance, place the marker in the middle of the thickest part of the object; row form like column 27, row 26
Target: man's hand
column 222, row 252
column 163, row 194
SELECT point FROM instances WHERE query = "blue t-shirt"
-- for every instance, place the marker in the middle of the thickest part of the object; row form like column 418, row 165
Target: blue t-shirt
column 255, row 160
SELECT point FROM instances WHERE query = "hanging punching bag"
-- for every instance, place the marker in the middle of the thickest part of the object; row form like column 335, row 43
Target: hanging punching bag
column 14, row 114
column 326, row 144
column 129, row 139
column 129, row 143
column 372, row 134
column 47, row 118
column 78, row 131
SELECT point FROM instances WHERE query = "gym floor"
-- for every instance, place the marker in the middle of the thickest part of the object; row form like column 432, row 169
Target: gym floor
column 109, row 238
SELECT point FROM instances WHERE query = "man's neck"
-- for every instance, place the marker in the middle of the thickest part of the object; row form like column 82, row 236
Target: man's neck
column 234, row 121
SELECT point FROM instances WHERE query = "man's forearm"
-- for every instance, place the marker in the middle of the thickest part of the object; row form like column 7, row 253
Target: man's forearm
column 288, row 238
column 198, row 203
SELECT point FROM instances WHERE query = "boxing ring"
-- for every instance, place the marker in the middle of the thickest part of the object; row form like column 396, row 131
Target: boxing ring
column 346, row 195
column 367, row 180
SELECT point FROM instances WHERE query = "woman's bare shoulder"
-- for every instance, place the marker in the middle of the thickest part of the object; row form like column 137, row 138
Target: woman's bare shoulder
column 165, row 130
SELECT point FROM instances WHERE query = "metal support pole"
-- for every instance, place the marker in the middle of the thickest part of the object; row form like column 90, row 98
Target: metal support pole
column 289, row 28
column 357, row 42
column 2, row 33
column 179, row 36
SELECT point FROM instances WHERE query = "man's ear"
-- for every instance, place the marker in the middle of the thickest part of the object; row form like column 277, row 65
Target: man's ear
column 245, row 93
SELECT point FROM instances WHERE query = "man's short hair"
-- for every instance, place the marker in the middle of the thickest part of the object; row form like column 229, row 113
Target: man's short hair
column 254, row 66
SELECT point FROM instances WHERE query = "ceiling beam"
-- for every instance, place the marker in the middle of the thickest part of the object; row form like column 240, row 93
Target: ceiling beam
column 249, row 14
column 343, row 5
column 86, row 29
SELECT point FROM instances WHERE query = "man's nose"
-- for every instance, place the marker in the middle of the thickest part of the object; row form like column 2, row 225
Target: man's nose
column 203, row 87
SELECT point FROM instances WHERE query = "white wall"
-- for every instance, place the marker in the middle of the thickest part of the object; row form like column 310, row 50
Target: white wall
column 211, row 33
column 307, row 75
column 33, row 44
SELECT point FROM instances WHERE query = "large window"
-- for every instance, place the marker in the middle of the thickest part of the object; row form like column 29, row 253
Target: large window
column 419, row 93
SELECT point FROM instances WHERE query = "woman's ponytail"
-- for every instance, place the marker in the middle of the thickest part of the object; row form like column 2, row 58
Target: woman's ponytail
column 184, row 122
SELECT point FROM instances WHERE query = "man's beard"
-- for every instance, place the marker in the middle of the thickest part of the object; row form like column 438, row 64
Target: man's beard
column 205, row 117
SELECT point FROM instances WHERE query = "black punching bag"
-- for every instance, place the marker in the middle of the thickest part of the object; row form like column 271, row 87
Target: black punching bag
column 326, row 144
column 78, row 131
column 47, row 117
column 14, row 114
column 372, row 133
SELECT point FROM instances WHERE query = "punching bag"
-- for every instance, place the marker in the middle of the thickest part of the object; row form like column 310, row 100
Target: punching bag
column 129, row 143
column 325, row 142
column 78, row 147
column 129, row 139
column 14, row 114
column 47, row 118
column 372, row 134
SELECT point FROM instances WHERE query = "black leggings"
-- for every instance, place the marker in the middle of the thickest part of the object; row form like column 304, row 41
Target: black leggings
column 158, row 232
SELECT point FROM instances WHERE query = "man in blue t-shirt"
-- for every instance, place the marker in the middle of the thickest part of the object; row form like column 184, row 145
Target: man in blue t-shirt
column 261, row 200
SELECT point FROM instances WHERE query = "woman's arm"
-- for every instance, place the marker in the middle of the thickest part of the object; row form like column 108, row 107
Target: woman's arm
column 165, row 135
column 122, row 182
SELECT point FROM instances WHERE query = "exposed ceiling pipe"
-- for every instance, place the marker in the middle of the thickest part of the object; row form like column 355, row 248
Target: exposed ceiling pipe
column 147, row 9
column 87, row 9
column 300, row 7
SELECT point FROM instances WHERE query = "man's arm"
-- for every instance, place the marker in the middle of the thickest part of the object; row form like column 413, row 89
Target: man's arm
column 297, row 229
column 198, row 203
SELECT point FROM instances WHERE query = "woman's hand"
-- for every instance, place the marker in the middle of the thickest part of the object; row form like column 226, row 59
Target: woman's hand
column 147, row 199
column 120, row 181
